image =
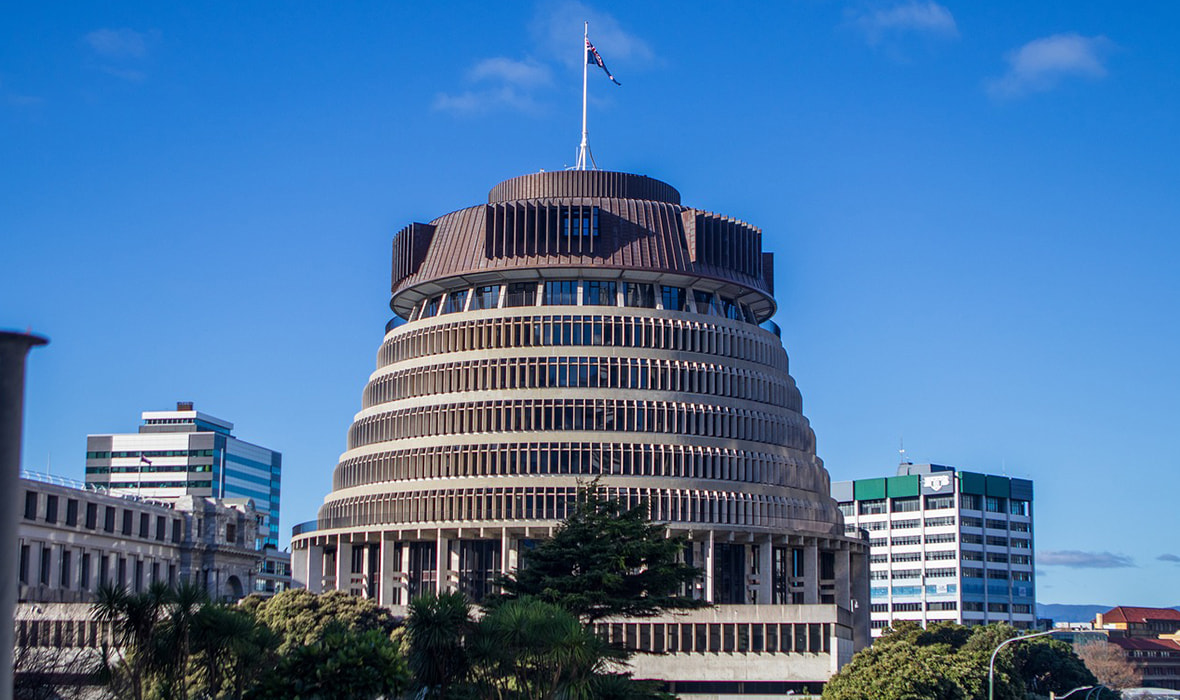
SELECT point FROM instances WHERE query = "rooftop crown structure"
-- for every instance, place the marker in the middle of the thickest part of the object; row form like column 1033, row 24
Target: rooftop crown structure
column 586, row 324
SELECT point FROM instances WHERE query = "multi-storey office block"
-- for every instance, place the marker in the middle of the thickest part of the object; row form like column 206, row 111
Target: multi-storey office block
column 945, row 545
column 586, row 325
column 188, row 453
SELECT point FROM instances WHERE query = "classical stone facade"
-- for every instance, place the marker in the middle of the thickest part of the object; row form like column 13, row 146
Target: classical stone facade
column 582, row 325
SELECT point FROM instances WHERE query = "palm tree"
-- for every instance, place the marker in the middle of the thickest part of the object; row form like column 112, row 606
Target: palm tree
column 436, row 628
column 133, row 621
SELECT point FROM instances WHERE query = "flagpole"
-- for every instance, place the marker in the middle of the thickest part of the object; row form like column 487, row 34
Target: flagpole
column 584, row 148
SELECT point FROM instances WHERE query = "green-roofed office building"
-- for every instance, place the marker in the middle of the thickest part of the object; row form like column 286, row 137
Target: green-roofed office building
column 945, row 545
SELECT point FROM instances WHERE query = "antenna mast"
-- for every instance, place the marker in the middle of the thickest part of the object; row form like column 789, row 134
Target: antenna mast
column 584, row 155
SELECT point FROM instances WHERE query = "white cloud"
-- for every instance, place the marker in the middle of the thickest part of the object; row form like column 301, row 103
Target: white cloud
column 486, row 100
column 519, row 85
column 1042, row 64
column 557, row 28
column 120, row 43
column 527, row 73
column 1084, row 560
column 916, row 17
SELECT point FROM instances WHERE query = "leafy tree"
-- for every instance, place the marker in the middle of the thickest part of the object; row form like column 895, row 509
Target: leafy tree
column 522, row 649
column 342, row 664
column 950, row 662
column 300, row 617
column 605, row 560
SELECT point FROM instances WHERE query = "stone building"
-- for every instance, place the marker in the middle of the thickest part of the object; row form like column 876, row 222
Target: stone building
column 580, row 325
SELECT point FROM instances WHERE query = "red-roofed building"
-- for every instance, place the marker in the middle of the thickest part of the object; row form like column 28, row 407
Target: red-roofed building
column 1139, row 622
column 1157, row 660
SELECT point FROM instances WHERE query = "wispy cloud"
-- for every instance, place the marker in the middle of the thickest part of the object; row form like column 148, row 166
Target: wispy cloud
column 1043, row 63
column 121, row 52
column 557, row 28
column 1084, row 560
column 520, row 84
column 503, row 83
column 120, row 43
column 1169, row 557
column 914, row 17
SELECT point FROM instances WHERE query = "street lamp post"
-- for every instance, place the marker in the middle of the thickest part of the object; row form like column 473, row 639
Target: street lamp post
column 991, row 665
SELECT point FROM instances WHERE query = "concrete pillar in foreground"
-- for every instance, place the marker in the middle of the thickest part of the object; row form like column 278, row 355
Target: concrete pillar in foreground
column 14, row 348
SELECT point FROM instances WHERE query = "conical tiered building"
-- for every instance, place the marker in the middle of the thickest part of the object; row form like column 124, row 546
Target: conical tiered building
column 587, row 324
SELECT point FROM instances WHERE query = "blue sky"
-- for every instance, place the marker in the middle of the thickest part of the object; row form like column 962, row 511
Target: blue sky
column 972, row 206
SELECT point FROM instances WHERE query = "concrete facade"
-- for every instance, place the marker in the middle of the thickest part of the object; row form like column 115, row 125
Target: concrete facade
column 586, row 325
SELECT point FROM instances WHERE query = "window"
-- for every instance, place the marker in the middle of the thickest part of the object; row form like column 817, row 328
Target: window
column 907, row 607
column 521, row 294
column 872, row 507
column 936, row 502
column 65, row 568
column 940, row 522
column 486, row 297
column 943, row 605
column 1016, row 507
column 145, row 522
column 108, row 522
column 673, row 298
column 997, row 607
column 997, row 541
column 126, row 522
column 969, row 501
column 942, row 538
column 456, row 302
column 906, row 524
column 561, row 292
column 30, row 505
column 995, row 504
column 46, row 554
column 915, row 539
column 85, row 571
column 579, row 221
column 705, row 302
column 598, row 293
column 24, row 564
column 51, row 509
column 997, row 524
column 431, row 307
column 91, row 515
column 72, row 512
column 906, row 505
column 639, row 295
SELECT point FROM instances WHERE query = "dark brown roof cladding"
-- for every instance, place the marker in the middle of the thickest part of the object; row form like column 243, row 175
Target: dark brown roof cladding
column 598, row 184
column 652, row 233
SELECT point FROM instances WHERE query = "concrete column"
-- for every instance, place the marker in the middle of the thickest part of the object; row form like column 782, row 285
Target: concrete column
column 505, row 544
column 389, row 592
column 766, row 572
column 314, row 579
column 14, row 348
column 707, row 545
column 441, row 560
column 811, row 574
column 343, row 565
column 55, row 551
column 366, row 568
column 843, row 573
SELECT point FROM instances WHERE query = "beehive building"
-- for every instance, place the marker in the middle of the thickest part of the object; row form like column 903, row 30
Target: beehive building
column 586, row 324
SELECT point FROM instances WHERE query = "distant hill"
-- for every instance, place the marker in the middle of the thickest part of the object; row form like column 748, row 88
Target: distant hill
column 1073, row 613
column 1070, row 613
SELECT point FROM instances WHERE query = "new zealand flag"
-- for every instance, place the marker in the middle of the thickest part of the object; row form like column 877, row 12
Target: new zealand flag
column 593, row 57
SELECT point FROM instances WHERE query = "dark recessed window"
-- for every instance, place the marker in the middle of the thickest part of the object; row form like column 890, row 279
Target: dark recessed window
column 486, row 297
column 72, row 511
column 561, row 293
column 456, row 301
column 579, row 221
column 30, row 505
column 521, row 294
column 672, row 297
column 639, row 295
column 597, row 293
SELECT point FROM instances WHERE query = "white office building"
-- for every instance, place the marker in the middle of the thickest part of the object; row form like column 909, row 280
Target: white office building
column 188, row 453
column 945, row 545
